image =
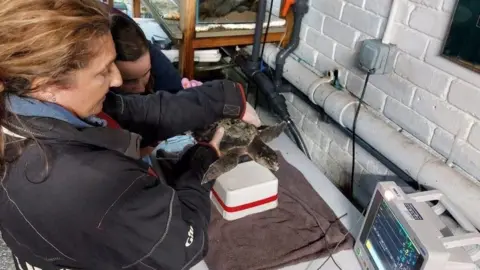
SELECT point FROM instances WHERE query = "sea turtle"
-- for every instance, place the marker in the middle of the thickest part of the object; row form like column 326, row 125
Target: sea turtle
column 240, row 139
column 220, row 8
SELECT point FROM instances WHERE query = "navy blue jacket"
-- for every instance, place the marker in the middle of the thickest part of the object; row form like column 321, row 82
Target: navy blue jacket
column 165, row 76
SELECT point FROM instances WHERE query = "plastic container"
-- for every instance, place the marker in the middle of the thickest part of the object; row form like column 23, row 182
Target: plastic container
column 247, row 189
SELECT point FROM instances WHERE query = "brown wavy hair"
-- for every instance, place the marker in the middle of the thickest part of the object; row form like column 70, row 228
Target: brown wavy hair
column 46, row 40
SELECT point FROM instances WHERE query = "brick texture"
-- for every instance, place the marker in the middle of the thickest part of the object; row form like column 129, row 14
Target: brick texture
column 320, row 42
column 434, row 101
column 412, row 42
column 465, row 96
column 332, row 8
column 423, row 75
column 438, row 111
column 442, row 142
column 366, row 22
column 340, row 32
column 380, row 7
column 429, row 21
column 411, row 121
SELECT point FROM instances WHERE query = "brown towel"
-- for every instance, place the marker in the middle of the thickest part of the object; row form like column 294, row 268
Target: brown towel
column 294, row 232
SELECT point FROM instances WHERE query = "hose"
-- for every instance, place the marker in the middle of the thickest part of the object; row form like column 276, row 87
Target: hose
column 298, row 137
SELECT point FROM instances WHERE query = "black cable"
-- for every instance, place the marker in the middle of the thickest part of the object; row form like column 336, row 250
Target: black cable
column 266, row 30
column 298, row 138
column 354, row 127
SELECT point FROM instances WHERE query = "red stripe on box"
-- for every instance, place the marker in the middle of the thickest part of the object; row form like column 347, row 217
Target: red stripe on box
column 243, row 206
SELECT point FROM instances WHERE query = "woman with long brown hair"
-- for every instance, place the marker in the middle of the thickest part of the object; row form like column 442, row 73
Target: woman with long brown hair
column 73, row 192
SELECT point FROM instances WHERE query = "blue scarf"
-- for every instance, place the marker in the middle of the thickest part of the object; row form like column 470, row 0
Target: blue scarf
column 33, row 107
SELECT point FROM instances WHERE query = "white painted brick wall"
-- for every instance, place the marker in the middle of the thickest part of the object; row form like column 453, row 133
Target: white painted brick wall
column 320, row 42
column 435, row 4
column 340, row 32
column 423, row 75
column 410, row 41
column 433, row 100
column 332, row 8
column 442, row 142
column 429, row 21
column 411, row 121
column 367, row 22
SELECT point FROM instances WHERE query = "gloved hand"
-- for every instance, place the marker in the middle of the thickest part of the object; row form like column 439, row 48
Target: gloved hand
column 251, row 116
column 186, row 83
column 217, row 138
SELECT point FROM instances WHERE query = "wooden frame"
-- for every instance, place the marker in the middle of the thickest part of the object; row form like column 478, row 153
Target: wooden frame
column 190, row 41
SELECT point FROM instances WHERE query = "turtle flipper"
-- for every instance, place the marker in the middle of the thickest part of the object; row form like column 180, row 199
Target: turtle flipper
column 266, row 134
column 221, row 166
column 263, row 154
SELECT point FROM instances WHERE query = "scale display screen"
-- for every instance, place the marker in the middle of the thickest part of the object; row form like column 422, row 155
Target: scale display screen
column 388, row 244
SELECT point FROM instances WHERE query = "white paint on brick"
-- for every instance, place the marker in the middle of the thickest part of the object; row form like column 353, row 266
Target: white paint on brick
column 467, row 157
column 314, row 18
column 340, row 32
column 320, row 42
column 438, row 111
column 334, row 133
column 431, row 22
column 449, row 5
column 434, row 58
column 380, row 7
column 358, row 3
column 371, row 164
column 435, row 4
column 308, row 111
column 311, row 129
column 411, row 121
column 303, row 32
column 394, row 86
column 324, row 63
column 343, row 158
column 366, row 22
column 329, row 7
column 465, row 96
column 405, row 9
column 423, row 75
column 474, row 137
column 373, row 96
column 410, row 41
column 442, row 142
column 347, row 58
column 306, row 53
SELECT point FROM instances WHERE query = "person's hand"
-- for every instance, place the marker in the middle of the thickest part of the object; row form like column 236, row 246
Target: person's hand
column 250, row 116
column 217, row 138
column 186, row 83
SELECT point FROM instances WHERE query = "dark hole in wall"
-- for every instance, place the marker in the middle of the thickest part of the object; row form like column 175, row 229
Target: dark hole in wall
column 462, row 44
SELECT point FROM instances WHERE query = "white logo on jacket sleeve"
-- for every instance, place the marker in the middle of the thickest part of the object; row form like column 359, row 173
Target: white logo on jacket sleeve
column 189, row 237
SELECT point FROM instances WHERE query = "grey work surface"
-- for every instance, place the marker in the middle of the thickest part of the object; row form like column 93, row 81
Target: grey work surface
column 332, row 196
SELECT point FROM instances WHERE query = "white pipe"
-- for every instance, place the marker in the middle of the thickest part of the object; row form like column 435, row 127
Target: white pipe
column 387, row 35
column 402, row 151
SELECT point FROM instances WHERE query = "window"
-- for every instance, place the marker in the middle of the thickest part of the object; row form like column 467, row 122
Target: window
column 462, row 44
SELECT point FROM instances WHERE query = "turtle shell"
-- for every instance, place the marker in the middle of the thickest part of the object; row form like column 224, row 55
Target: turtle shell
column 238, row 134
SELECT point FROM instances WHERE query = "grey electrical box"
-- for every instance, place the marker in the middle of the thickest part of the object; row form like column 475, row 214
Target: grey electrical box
column 376, row 57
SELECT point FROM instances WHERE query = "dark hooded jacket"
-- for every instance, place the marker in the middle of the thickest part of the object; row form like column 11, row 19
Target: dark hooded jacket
column 78, row 197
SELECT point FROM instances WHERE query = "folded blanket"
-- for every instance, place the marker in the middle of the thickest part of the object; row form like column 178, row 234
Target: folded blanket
column 301, row 228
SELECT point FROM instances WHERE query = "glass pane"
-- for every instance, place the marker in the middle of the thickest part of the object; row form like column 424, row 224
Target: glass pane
column 463, row 42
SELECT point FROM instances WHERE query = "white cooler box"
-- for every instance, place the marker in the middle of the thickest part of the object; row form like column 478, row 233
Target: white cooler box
column 247, row 189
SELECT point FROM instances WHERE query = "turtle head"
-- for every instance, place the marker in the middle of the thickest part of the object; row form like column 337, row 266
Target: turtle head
column 268, row 133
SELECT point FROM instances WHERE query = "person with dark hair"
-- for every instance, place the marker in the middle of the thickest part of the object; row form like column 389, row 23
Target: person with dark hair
column 143, row 66
column 73, row 192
